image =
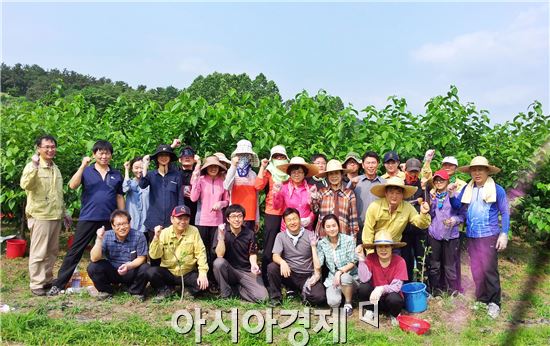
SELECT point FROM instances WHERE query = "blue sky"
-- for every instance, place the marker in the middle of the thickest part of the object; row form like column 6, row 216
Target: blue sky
column 497, row 54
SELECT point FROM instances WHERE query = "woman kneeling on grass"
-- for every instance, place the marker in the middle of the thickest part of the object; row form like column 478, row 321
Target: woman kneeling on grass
column 336, row 250
column 382, row 274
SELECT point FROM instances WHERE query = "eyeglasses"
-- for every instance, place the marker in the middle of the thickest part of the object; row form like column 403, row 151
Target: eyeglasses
column 49, row 147
column 438, row 181
column 236, row 217
column 122, row 224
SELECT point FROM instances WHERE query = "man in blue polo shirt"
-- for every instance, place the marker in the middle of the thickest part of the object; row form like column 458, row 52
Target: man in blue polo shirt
column 125, row 252
column 101, row 195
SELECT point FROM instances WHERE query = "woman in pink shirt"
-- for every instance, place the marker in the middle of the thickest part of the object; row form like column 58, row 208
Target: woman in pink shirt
column 296, row 192
column 207, row 185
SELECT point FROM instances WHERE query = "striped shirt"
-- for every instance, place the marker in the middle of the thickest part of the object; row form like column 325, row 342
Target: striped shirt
column 341, row 203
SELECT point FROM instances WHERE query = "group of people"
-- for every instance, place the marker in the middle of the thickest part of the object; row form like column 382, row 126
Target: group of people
column 331, row 233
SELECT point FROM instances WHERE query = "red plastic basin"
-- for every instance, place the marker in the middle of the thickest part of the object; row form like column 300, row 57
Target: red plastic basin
column 413, row 324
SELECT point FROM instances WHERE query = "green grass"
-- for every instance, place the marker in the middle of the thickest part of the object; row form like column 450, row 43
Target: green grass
column 80, row 319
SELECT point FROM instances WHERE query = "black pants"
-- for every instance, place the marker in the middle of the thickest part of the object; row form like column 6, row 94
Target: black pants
column 103, row 274
column 161, row 277
column 295, row 281
column 484, row 265
column 207, row 235
column 414, row 250
column 85, row 232
column 442, row 272
column 272, row 227
column 149, row 236
column 391, row 303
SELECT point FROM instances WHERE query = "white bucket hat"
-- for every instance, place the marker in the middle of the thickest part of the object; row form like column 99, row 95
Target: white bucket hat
column 245, row 147
column 278, row 149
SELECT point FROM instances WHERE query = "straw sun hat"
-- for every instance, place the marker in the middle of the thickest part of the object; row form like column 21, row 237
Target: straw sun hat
column 479, row 161
column 380, row 189
column 383, row 238
column 212, row 161
column 333, row 166
column 299, row 161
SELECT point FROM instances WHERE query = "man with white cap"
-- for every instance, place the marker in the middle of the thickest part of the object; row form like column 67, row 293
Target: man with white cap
column 482, row 201
column 450, row 164
column 269, row 175
column 391, row 212
column 240, row 182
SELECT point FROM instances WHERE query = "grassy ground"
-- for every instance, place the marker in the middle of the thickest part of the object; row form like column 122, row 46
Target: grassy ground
column 79, row 319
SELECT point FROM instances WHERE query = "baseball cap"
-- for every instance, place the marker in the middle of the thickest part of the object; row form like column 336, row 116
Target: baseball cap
column 187, row 151
column 391, row 155
column 450, row 159
column 442, row 174
column 181, row 210
column 413, row 165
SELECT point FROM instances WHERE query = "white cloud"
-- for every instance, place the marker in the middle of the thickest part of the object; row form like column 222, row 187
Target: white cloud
column 524, row 41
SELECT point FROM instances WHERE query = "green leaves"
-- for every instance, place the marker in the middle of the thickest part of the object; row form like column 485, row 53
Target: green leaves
column 305, row 124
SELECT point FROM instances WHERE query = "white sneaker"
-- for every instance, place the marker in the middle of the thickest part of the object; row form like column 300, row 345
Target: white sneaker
column 493, row 310
column 394, row 321
column 348, row 309
column 369, row 315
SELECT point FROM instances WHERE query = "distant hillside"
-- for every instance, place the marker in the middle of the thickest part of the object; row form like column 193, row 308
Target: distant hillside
column 36, row 83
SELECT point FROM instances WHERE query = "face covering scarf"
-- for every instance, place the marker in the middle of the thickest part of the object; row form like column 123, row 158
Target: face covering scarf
column 440, row 198
column 410, row 179
column 277, row 175
column 243, row 166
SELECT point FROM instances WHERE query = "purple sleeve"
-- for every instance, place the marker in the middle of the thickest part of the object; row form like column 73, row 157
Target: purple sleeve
column 394, row 286
column 363, row 271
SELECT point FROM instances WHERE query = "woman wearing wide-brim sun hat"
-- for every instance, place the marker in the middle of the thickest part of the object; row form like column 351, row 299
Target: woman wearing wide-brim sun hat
column 296, row 192
column 268, row 176
column 486, row 234
column 207, row 189
column 165, row 189
column 391, row 212
column 223, row 159
column 382, row 273
column 239, row 181
column 338, row 200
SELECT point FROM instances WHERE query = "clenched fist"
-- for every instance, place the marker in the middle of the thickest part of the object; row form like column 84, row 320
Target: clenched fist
column 86, row 161
column 100, row 233
column 35, row 160
column 158, row 230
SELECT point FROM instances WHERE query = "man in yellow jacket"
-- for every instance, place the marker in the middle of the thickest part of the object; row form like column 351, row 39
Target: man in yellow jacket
column 43, row 184
column 181, row 252
column 391, row 213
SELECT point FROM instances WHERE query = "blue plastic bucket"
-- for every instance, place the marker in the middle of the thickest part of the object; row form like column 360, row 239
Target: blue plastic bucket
column 416, row 297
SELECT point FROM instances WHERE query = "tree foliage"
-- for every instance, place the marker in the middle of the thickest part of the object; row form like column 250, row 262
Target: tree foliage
column 215, row 86
column 306, row 125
